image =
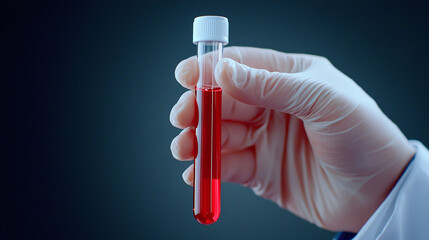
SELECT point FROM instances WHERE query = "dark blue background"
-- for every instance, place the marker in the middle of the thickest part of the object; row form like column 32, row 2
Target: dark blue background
column 89, row 87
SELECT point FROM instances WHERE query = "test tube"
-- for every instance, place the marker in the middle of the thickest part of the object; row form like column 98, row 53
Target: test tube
column 210, row 34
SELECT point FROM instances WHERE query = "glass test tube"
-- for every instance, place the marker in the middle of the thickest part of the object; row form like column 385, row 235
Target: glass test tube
column 207, row 163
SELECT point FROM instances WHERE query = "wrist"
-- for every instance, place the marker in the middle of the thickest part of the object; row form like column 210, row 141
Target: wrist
column 379, row 187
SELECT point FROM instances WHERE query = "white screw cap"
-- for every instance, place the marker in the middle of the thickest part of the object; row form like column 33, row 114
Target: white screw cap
column 210, row 28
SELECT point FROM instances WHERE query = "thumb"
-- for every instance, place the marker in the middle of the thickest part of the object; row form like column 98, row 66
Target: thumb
column 287, row 92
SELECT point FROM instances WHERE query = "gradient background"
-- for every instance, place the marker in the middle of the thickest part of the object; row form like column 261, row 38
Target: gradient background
column 89, row 87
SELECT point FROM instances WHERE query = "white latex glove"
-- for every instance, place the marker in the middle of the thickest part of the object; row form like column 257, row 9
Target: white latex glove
column 298, row 132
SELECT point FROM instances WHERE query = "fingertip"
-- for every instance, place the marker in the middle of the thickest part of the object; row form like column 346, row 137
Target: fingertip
column 186, row 72
column 223, row 69
column 232, row 77
column 174, row 146
column 182, row 115
column 173, row 117
column 183, row 145
column 188, row 175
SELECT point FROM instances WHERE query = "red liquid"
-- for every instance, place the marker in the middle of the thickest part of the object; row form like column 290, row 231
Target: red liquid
column 207, row 162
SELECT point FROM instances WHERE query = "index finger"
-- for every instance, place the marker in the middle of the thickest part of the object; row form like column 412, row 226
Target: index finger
column 187, row 70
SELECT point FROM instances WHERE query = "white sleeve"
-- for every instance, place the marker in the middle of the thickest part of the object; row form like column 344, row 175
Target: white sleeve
column 404, row 214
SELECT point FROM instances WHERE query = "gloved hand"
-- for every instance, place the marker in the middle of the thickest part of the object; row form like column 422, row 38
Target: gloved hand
column 298, row 132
